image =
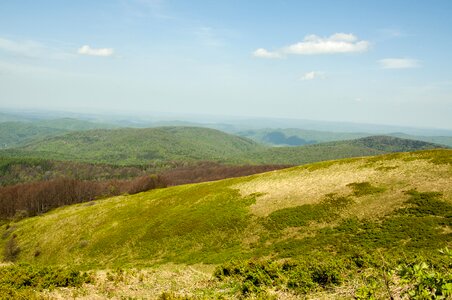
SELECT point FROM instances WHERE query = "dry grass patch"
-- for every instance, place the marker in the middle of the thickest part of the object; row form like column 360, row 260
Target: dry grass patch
column 142, row 284
column 299, row 186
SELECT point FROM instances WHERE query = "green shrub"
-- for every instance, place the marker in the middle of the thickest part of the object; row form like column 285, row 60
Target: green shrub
column 328, row 209
column 426, row 282
column 426, row 204
column 256, row 277
column 26, row 276
column 11, row 250
column 364, row 188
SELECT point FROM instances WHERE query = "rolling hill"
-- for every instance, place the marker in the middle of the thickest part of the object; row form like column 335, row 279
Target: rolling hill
column 339, row 221
column 441, row 140
column 366, row 146
column 298, row 137
column 15, row 134
column 132, row 146
column 142, row 146
column 71, row 124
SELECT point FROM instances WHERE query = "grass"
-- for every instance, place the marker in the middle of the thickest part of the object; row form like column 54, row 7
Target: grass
column 352, row 214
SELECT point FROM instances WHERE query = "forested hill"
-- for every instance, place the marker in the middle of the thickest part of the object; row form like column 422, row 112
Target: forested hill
column 17, row 133
column 159, row 146
column 366, row 146
column 141, row 146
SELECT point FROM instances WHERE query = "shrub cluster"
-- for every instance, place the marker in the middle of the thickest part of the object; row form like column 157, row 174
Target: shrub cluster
column 256, row 276
column 22, row 281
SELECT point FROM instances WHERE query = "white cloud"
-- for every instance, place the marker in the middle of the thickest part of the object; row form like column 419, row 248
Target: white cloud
column 313, row 75
column 336, row 43
column 398, row 63
column 313, row 44
column 263, row 53
column 87, row 50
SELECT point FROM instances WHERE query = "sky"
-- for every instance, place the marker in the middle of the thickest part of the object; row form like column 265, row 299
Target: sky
column 383, row 62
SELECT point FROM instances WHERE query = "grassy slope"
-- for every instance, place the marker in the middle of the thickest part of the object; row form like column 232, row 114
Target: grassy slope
column 336, row 207
column 160, row 145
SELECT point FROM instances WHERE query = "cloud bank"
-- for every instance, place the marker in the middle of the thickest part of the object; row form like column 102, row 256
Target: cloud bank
column 87, row 50
column 314, row 45
column 399, row 63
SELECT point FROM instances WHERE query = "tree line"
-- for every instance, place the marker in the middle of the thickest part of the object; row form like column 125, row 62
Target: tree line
column 37, row 197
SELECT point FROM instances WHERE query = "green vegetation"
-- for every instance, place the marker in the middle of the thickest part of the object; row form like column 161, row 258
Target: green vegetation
column 71, row 124
column 355, row 228
column 441, row 140
column 298, row 216
column 15, row 170
column 166, row 145
column 283, row 136
column 141, row 146
column 298, row 137
column 335, row 150
column 22, row 281
column 15, row 134
column 416, row 280
column 364, row 188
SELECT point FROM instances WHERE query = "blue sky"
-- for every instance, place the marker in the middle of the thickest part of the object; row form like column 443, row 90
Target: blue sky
column 387, row 62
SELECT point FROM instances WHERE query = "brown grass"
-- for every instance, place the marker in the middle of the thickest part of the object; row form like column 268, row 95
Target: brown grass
column 141, row 284
column 299, row 186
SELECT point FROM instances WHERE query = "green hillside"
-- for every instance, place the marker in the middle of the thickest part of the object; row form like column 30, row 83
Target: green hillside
column 346, row 217
column 298, row 137
column 441, row 140
column 132, row 146
column 71, row 124
column 13, row 134
column 142, row 146
column 367, row 146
